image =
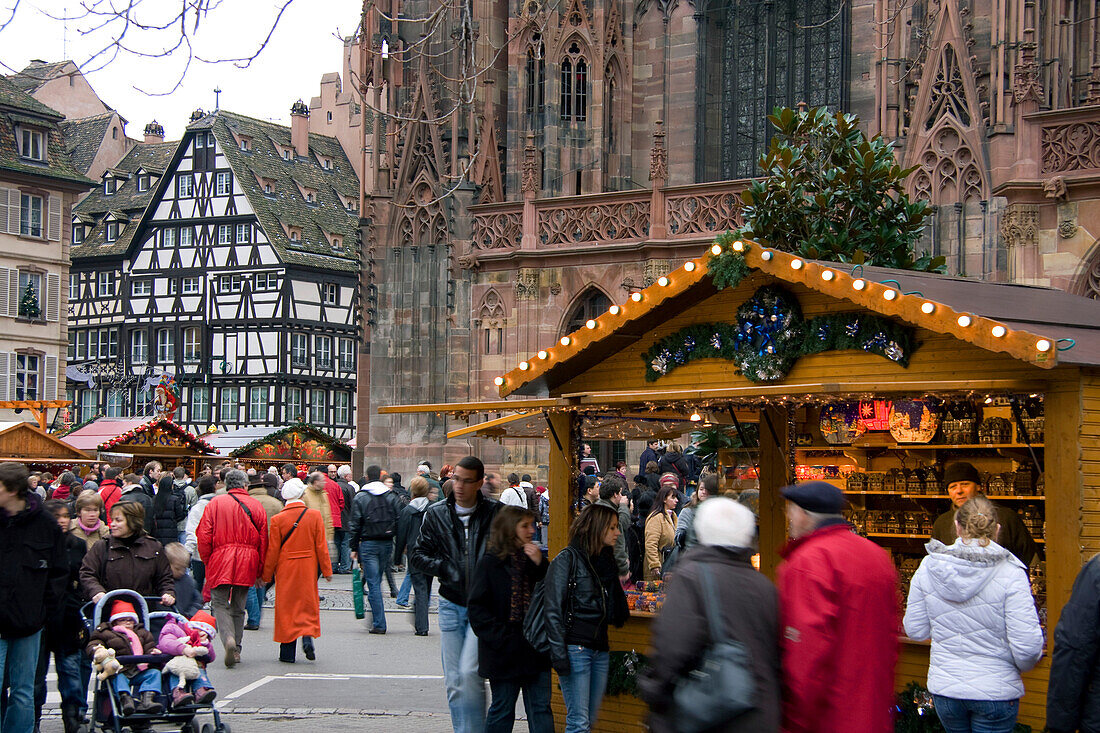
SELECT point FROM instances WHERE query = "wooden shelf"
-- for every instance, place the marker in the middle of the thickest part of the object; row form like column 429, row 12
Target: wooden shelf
column 913, row 446
column 890, row 535
column 993, row 498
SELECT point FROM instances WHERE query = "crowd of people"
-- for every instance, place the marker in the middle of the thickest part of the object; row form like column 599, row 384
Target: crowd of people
column 819, row 646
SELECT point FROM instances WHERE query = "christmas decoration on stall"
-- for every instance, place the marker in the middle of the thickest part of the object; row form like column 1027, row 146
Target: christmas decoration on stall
column 914, row 421
column 771, row 334
column 166, row 397
column 623, row 671
column 28, row 305
column 875, row 414
column 840, row 423
column 728, row 268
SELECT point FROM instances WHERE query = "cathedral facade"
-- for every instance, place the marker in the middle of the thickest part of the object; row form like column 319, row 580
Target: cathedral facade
column 535, row 162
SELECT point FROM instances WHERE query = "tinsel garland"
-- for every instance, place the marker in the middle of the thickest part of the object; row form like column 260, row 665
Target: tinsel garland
column 623, row 671
column 729, row 268
column 771, row 334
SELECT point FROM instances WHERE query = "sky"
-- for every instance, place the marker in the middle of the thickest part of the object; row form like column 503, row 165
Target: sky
column 302, row 47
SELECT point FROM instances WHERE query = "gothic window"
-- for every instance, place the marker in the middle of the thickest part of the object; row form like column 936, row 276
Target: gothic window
column 591, row 303
column 609, row 112
column 574, row 85
column 759, row 54
column 535, row 101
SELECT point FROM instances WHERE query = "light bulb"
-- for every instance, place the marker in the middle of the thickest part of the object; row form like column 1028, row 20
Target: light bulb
column 738, row 246
column 614, row 310
column 689, row 266
column 498, row 381
column 636, row 297
column 716, row 249
column 1043, row 345
column 590, row 324
column 999, row 331
column 927, row 307
column 827, row 275
column 565, row 341
column 543, row 355
column 964, row 321
column 766, row 255
column 889, row 294
column 859, row 284
column 796, row 264
column 695, row 417
column 662, row 281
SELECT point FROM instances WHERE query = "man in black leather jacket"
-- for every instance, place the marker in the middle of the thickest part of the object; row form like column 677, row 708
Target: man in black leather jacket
column 1073, row 697
column 452, row 540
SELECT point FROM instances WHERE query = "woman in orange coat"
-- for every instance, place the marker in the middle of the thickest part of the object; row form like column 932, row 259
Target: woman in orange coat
column 297, row 552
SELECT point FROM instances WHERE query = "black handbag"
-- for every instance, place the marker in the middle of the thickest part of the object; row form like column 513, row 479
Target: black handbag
column 534, row 622
column 722, row 687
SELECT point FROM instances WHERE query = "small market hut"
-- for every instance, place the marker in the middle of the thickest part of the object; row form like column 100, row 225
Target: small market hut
column 130, row 442
column 872, row 378
column 38, row 450
column 300, row 444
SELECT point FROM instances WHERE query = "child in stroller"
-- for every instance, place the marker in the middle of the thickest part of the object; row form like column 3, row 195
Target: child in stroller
column 124, row 633
column 189, row 643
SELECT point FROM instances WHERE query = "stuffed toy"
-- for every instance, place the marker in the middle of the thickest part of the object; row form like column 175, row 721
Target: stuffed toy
column 104, row 663
column 184, row 667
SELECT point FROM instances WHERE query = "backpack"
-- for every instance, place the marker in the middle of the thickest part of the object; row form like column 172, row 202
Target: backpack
column 379, row 518
column 544, row 509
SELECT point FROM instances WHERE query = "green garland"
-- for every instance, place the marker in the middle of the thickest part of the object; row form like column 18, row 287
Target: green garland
column 771, row 335
column 728, row 269
column 623, row 671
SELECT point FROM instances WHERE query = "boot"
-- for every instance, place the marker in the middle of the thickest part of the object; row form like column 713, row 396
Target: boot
column 148, row 704
column 70, row 717
column 180, row 698
column 126, row 704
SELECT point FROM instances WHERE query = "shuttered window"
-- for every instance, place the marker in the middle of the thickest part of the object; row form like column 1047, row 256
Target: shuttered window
column 50, row 377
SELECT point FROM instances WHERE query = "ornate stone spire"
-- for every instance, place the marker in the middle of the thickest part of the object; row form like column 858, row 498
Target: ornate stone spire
column 658, row 156
column 530, row 180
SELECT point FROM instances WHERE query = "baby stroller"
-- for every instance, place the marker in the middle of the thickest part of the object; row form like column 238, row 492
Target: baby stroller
column 105, row 708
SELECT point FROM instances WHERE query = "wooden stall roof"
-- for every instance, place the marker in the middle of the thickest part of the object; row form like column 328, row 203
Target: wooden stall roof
column 136, row 435
column 597, row 427
column 298, row 442
column 23, row 441
column 1037, row 322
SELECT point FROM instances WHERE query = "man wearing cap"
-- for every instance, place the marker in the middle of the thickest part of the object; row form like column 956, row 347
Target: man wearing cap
column 838, row 600
column 963, row 482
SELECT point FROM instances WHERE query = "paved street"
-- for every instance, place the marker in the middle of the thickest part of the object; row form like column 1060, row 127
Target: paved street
column 387, row 683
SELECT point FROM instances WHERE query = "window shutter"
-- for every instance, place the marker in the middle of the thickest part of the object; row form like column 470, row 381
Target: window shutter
column 5, row 211
column 4, row 294
column 53, row 297
column 13, row 293
column 5, row 375
column 49, row 382
column 53, row 219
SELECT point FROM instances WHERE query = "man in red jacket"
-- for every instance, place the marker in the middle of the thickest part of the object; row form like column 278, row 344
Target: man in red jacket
column 232, row 542
column 110, row 489
column 838, row 619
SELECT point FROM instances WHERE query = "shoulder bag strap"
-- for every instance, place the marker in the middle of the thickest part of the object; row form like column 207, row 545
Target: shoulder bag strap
column 242, row 505
column 293, row 527
column 710, row 604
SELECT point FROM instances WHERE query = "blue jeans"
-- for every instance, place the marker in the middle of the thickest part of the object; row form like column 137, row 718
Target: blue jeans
column 343, row 551
column 147, row 680
column 201, row 681
column 465, row 689
column 73, row 689
column 536, row 701
column 375, row 557
column 582, row 689
column 976, row 716
column 254, row 604
column 18, row 663
column 406, row 588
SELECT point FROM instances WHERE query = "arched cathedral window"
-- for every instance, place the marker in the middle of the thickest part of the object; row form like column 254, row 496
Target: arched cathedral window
column 759, row 54
column 535, row 101
column 574, row 85
column 592, row 303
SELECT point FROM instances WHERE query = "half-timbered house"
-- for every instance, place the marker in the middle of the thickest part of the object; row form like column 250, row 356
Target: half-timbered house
column 239, row 276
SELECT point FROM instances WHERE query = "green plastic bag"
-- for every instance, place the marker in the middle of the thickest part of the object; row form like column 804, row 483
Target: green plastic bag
column 357, row 593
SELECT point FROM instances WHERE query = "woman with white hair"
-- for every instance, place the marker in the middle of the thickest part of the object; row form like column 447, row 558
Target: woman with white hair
column 749, row 613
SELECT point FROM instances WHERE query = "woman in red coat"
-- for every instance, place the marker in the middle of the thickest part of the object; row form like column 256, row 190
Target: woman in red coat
column 297, row 552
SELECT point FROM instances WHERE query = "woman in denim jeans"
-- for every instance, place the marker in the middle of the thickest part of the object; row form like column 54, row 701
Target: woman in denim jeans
column 973, row 599
column 583, row 596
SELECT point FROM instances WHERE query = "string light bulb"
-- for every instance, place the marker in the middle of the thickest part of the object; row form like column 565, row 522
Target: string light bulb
column 499, row 381
column 859, row 284
column 716, row 250
column 565, row 341
column 964, row 321
column 662, row 281
column 636, row 297
column 689, row 266
column 766, row 255
column 590, row 324
column 827, row 275
column 544, row 354
column 796, row 264
column 614, row 310
column 889, row 294
column 1043, row 345
column 999, row 331
column 738, row 246
column 928, row 307
column 524, row 366
column 695, row 417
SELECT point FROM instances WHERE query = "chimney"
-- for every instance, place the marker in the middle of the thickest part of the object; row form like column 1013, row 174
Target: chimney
column 299, row 128
column 154, row 132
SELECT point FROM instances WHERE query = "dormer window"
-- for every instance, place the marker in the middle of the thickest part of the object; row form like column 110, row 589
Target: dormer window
column 295, row 234
column 32, row 144
column 244, row 145
column 311, row 198
column 337, row 242
column 286, row 153
column 143, row 182
column 267, row 189
column 326, row 163
column 112, row 231
column 110, row 185
column 78, row 233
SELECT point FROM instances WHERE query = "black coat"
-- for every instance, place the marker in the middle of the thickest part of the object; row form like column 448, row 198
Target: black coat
column 166, row 522
column 408, row 529
column 678, row 466
column 137, row 493
column 749, row 609
column 583, row 596
column 65, row 632
column 33, row 571
column 503, row 653
column 446, row 551
column 1073, row 694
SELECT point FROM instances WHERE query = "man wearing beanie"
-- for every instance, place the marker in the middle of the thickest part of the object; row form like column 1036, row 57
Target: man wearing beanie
column 838, row 620
column 963, row 483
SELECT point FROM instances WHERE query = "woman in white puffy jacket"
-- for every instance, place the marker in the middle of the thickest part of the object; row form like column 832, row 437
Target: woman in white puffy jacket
column 973, row 600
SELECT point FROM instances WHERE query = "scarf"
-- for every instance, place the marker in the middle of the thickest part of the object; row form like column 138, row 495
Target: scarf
column 93, row 529
column 135, row 643
column 521, row 588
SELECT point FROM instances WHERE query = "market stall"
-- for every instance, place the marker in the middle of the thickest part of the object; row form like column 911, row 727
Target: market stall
column 871, row 378
column 130, row 442
column 28, row 444
column 260, row 447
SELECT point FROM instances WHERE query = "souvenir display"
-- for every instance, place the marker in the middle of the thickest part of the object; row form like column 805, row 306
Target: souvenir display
column 995, row 430
column 913, row 421
column 875, row 414
column 840, row 423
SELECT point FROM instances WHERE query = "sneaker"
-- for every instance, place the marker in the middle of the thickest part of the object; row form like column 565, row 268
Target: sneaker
column 126, row 704
column 402, row 605
column 251, row 627
column 205, row 695
column 182, row 698
column 420, row 633
column 232, row 655
column 377, row 631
